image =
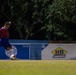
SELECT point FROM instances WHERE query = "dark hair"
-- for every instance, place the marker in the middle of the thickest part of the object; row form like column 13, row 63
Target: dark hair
column 8, row 23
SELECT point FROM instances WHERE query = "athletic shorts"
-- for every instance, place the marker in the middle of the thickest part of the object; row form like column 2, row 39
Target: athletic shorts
column 4, row 42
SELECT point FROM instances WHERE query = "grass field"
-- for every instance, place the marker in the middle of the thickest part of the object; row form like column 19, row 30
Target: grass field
column 38, row 67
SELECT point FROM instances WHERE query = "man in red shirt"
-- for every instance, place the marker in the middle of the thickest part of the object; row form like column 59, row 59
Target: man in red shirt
column 4, row 40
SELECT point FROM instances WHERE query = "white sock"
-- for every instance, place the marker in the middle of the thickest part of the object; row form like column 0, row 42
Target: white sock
column 12, row 56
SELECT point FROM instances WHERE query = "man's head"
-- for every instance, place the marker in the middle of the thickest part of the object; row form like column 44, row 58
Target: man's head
column 7, row 25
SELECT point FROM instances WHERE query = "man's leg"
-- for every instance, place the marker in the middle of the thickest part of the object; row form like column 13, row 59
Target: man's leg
column 8, row 48
column 11, row 53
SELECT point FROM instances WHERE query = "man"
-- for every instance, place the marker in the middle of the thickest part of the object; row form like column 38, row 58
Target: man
column 4, row 38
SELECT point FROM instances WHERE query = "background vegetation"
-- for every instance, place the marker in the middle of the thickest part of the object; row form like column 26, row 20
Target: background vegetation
column 40, row 19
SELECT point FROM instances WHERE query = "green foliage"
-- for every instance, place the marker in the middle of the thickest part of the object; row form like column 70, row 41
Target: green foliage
column 62, row 12
column 41, row 19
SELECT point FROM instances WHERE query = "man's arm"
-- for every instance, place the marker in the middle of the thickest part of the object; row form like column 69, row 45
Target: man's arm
column 0, row 33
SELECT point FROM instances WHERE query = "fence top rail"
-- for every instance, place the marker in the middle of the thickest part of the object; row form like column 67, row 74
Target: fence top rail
column 28, row 41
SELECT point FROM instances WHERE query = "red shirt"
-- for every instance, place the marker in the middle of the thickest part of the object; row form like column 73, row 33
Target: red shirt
column 4, row 33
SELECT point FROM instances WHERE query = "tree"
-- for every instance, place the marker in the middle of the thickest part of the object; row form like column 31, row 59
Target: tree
column 62, row 14
column 40, row 19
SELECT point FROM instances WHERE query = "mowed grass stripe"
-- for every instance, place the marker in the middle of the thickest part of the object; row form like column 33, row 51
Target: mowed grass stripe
column 38, row 67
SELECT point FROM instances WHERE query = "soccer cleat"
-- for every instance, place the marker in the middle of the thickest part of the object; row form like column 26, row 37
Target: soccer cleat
column 14, row 58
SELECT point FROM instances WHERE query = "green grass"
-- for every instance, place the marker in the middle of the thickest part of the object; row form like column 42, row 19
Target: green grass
column 38, row 67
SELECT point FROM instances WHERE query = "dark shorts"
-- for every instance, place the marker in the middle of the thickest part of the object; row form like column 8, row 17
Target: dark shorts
column 4, row 42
